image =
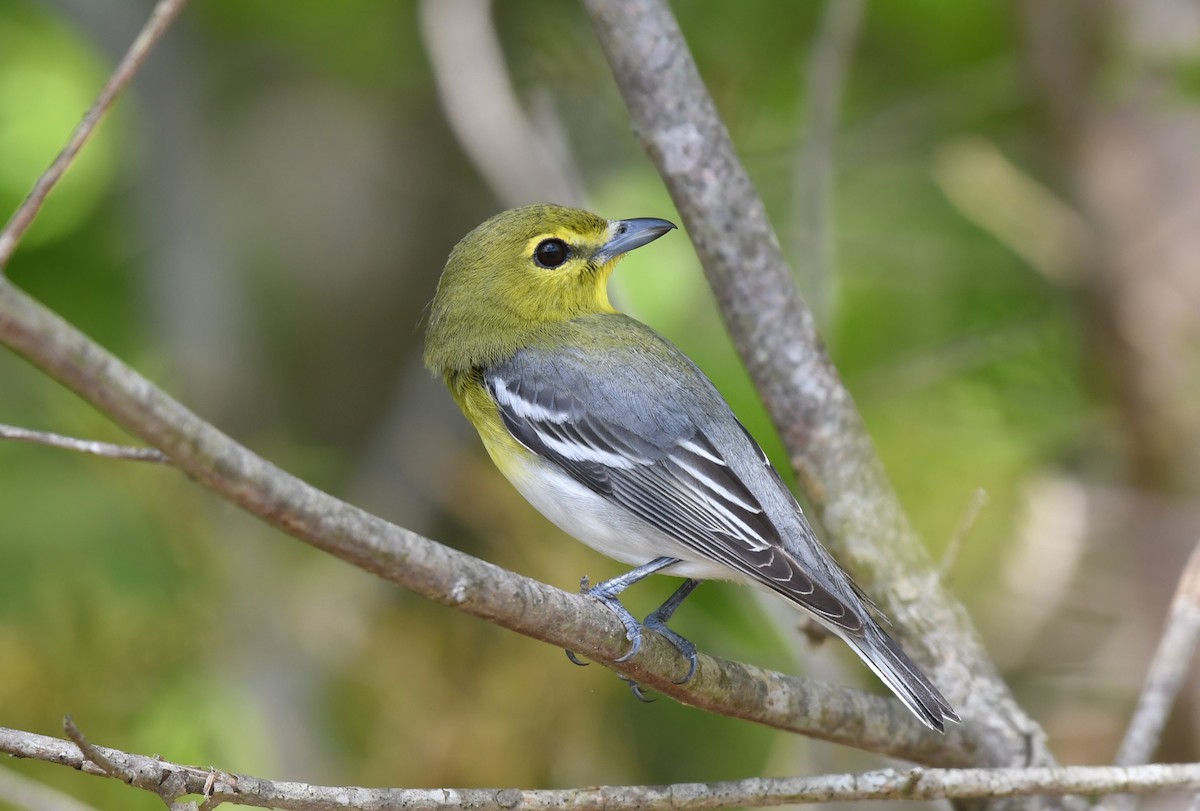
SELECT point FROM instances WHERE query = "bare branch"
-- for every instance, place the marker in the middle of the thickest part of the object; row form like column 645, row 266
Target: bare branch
column 160, row 19
column 171, row 781
column 71, row 443
column 447, row 576
column 774, row 332
column 1175, row 652
column 97, row 755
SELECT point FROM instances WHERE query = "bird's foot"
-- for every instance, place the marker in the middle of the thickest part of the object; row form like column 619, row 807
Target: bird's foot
column 633, row 629
column 607, row 593
column 657, row 623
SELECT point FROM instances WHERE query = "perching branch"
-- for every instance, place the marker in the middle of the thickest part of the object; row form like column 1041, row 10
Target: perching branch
column 172, row 781
column 443, row 574
column 774, row 332
column 89, row 446
column 160, row 19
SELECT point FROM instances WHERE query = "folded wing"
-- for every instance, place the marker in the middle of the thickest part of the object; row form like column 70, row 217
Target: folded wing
column 675, row 480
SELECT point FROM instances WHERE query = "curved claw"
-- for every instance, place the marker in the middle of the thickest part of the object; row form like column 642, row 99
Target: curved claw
column 634, row 634
column 692, row 664
column 633, row 628
column 685, row 646
column 636, row 689
column 657, row 622
column 575, row 658
column 608, row 592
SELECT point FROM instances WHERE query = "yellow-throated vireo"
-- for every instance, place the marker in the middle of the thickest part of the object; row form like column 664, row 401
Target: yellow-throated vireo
column 618, row 438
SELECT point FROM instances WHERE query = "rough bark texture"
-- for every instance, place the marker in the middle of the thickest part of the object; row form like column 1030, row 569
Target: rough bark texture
column 171, row 780
column 447, row 576
column 775, row 334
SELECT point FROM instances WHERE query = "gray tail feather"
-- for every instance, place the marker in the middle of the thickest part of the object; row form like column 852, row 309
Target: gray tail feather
column 903, row 677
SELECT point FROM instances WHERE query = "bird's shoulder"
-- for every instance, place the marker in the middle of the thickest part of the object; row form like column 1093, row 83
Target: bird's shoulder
column 612, row 368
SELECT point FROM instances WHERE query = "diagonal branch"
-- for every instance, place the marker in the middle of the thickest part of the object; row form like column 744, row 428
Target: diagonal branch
column 775, row 334
column 1170, row 665
column 172, row 780
column 443, row 574
column 160, row 19
column 1167, row 671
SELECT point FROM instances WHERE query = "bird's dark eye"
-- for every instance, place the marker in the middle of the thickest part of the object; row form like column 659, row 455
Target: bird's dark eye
column 550, row 253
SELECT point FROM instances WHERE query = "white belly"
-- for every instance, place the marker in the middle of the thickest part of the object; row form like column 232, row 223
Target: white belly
column 606, row 527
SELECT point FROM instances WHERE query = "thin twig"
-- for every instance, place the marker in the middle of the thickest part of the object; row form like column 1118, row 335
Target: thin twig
column 95, row 754
column 160, row 19
column 1176, row 649
column 1170, row 665
column 965, row 524
column 89, row 446
column 171, row 780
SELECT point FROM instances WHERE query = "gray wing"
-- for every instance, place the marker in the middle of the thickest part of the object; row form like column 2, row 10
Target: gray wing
column 669, row 473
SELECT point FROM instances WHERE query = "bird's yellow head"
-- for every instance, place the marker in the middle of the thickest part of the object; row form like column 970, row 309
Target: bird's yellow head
column 521, row 271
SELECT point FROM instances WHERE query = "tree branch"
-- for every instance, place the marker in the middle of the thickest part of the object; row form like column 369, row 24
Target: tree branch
column 160, row 19
column 774, row 332
column 89, row 446
column 1167, row 670
column 1165, row 677
column 172, row 781
column 442, row 574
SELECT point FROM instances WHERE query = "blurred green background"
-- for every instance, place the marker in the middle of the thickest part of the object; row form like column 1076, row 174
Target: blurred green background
column 1010, row 287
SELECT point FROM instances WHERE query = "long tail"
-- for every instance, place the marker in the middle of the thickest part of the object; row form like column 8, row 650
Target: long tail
column 902, row 676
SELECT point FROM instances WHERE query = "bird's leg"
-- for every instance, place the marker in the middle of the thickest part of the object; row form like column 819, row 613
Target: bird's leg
column 608, row 593
column 657, row 622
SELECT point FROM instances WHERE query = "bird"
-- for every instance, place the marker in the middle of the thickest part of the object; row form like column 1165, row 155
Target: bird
column 616, row 436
